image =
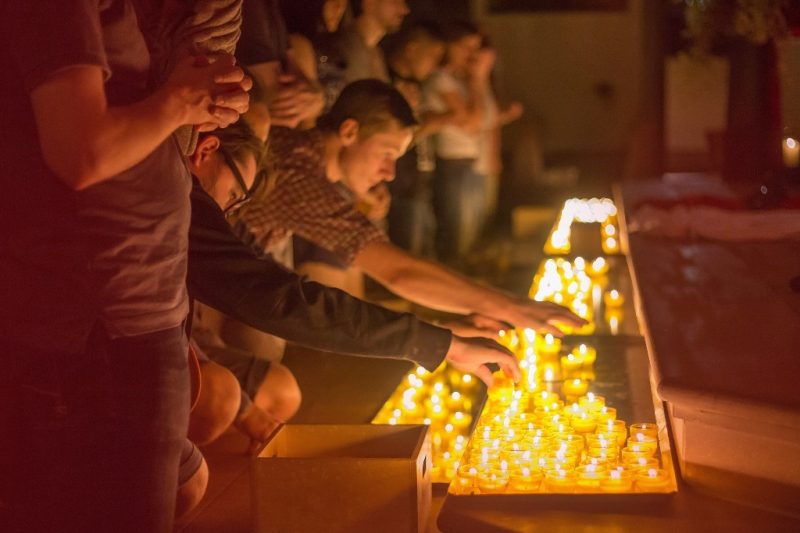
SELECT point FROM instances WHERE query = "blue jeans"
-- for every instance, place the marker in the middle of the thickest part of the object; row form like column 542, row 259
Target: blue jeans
column 458, row 200
column 92, row 441
column 412, row 225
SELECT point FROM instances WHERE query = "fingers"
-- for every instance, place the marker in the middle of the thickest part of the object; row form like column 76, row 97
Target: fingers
column 237, row 100
column 510, row 366
column 484, row 374
column 223, row 116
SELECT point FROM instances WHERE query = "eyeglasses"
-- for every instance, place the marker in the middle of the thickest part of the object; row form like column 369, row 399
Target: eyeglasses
column 236, row 205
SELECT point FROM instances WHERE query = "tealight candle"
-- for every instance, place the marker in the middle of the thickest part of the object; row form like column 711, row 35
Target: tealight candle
column 791, row 152
column 652, row 480
column 610, row 245
column 589, row 477
column 617, row 427
column 492, row 481
column 598, row 267
column 549, row 344
column 571, row 363
column 525, row 480
column 583, row 423
column 605, row 413
column 575, row 387
column 460, row 420
column 644, row 428
column 641, row 463
column 613, row 298
column 585, row 352
column 630, row 455
column 560, row 480
column 616, row 481
column 466, row 476
column 592, row 402
column 638, row 441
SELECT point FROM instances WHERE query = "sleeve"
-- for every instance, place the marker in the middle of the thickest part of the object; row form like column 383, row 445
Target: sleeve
column 264, row 37
column 50, row 35
column 226, row 275
column 305, row 203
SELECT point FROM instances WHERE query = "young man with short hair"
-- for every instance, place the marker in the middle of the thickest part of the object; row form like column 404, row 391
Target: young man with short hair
column 356, row 145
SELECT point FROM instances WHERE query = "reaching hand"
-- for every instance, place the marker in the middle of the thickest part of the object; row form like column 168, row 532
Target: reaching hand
column 472, row 356
column 541, row 316
column 475, row 325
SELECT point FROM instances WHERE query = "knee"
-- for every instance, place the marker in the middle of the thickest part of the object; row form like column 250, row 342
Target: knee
column 279, row 394
column 191, row 492
column 217, row 404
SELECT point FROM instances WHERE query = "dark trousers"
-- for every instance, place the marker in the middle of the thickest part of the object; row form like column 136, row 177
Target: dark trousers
column 460, row 207
column 91, row 442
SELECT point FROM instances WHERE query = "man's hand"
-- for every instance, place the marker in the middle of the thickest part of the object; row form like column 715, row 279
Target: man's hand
column 297, row 100
column 258, row 425
column 474, row 325
column 472, row 356
column 541, row 316
column 209, row 91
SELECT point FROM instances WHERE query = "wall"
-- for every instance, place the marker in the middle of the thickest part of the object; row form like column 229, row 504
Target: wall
column 577, row 73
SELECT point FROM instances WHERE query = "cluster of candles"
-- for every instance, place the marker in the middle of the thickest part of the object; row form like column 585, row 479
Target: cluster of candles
column 594, row 210
column 442, row 399
column 531, row 439
column 580, row 285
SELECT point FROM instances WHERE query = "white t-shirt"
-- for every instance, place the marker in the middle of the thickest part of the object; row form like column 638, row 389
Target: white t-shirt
column 451, row 142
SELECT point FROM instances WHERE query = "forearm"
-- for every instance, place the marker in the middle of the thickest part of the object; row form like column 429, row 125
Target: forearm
column 124, row 136
column 428, row 283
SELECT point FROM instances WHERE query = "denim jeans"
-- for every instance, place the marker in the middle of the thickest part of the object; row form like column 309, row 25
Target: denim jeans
column 91, row 442
column 458, row 200
column 412, row 225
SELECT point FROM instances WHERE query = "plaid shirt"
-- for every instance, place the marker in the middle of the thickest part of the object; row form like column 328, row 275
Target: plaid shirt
column 300, row 199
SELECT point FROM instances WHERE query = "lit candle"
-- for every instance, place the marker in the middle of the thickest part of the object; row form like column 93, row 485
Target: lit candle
column 791, row 153
column 575, row 387
column 641, row 463
column 645, row 429
column 586, row 353
column 571, row 363
column 613, row 298
column 492, row 481
column 583, row 423
column 652, row 480
column 460, row 420
column 592, row 402
column 598, row 267
column 560, row 480
column 641, row 442
column 589, row 477
column 549, row 344
column 617, row 481
column 610, row 245
column 466, row 477
column 525, row 480
column 605, row 413
column 617, row 427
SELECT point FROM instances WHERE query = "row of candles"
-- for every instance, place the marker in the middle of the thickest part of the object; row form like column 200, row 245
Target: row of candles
column 594, row 210
column 580, row 285
column 531, row 439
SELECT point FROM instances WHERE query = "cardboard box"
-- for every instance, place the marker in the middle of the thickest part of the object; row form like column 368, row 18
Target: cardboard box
column 343, row 478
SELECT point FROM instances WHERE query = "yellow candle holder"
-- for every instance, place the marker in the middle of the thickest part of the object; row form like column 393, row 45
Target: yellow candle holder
column 571, row 363
column 617, row 481
column 584, row 423
column 589, row 477
column 641, row 442
column 592, row 402
column 525, row 480
column 601, row 440
column 642, row 463
column 646, row 429
column 613, row 298
column 598, row 267
column 617, row 427
column 492, row 482
column 574, row 387
column 560, row 480
column 652, row 480
column 631, row 455
column 604, row 414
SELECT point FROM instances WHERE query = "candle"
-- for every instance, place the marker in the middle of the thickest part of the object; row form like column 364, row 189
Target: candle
column 461, row 421
column 652, row 480
column 641, row 463
column 587, row 353
column 584, row 423
column 592, row 402
column 640, row 442
column 605, row 413
column 610, row 245
column 630, row 455
column 560, row 480
column 549, row 344
column 571, row 363
column 525, row 480
column 791, row 153
column 575, row 387
column 492, row 481
column 589, row 477
column 617, row 427
column 613, row 298
column 616, row 481
column 598, row 267
column 645, row 429
column 466, row 477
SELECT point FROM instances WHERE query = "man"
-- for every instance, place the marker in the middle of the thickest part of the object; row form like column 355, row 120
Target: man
column 95, row 210
column 264, row 48
column 356, row 145
column 359, row 43
column 413, row 54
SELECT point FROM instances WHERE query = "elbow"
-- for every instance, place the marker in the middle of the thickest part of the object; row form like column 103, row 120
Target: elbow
column 77, row 171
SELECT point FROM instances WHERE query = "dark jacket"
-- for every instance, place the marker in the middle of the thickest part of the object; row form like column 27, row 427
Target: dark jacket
column 224, row 273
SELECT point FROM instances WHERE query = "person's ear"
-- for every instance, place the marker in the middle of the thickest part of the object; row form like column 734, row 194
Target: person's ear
column 348, row 132
column 206, row 147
